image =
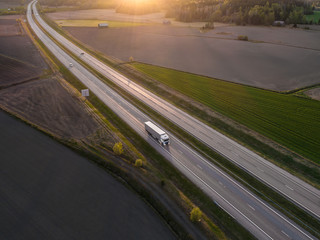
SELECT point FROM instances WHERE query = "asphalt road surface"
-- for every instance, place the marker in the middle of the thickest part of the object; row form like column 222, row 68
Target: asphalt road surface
column 288, row 185
column 258, row 217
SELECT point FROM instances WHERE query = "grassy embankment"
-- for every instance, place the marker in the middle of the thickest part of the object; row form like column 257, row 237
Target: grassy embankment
column 285, row 118
column 260, row 189
column 169, row 175
column 94, row 23
column 315, row 17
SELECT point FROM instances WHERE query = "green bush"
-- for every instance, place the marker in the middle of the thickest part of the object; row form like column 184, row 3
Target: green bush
column 118, row 148
column 195, row 214
column 138, row 163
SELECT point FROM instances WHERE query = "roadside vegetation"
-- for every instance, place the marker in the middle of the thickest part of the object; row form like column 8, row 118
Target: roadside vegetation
column 254, row 12
column 288, row 119
column 157, row 172
column 260, row 189
column 314, row 18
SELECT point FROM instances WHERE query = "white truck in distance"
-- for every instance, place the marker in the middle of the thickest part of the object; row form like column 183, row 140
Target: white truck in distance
column 156, row 133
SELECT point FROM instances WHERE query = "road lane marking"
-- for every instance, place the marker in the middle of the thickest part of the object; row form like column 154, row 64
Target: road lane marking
column 251, row 207
column 284, row 233
column 219, row 195
column 228, row 177
column 199, row 166
column 289, row 187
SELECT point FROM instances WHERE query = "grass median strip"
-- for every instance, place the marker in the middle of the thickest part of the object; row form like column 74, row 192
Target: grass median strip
column 223, row 220
column 281, row 201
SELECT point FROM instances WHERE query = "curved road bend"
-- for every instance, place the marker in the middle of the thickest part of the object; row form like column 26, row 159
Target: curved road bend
column 259, row 218
column 285, row 183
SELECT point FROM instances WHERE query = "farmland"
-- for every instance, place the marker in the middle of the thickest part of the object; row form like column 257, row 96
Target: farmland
column 47, row 191
column 13, row 71
column 273, row 58
column 17, row 64
column 286, row 118
column 94, row 23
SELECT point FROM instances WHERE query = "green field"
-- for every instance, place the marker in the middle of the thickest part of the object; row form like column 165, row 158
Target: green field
column 315, row 17
column 286, row 118
column 94, row 23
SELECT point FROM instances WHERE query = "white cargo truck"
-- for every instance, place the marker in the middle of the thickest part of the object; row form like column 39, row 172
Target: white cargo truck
column 157, row 133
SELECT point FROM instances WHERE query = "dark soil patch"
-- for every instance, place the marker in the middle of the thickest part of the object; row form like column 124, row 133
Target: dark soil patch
column 20, row 60
column 13, row 71
column 47, row 104
column 9, row 27
column 22, row 49
column 49, row 192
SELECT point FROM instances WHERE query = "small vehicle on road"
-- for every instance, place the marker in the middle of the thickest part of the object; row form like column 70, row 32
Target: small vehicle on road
column 70, row 65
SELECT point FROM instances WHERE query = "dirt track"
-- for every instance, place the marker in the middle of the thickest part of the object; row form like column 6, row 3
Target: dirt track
column 272, row 65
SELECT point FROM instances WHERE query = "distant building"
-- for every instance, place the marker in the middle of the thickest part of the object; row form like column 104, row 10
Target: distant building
column 103, row 25
column 166, row 22
column 278, row 23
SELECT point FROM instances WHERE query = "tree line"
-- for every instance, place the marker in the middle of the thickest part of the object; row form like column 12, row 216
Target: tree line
column 241, row 12
column 256, row 12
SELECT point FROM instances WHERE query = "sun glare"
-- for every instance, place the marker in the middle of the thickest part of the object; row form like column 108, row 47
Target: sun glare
column 137, row 1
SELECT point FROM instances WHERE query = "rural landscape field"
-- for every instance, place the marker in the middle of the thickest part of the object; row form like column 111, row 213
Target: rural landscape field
column 159, row 119
column 278, row 59
column 47, row 190
column 287, row 118
column 275, row 59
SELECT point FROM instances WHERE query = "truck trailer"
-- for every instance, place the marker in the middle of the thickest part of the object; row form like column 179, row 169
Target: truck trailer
column 156, row 133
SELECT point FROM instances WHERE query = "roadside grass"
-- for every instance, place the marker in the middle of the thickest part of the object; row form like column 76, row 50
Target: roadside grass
column 249, row 181
column 189, row 205
column 314, row 17
column 94, row 23
column 160, row 167
column 285, row 118
column 259, row 188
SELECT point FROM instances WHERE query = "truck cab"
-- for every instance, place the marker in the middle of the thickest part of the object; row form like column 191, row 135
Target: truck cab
column 164, row 139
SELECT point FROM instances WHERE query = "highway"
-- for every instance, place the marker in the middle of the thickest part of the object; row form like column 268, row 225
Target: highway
column 259, row 218
column 303, row 194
